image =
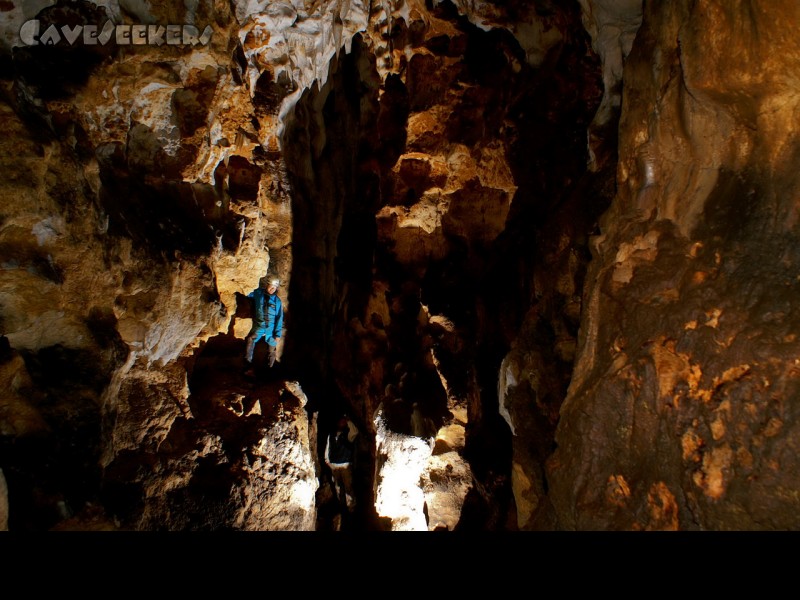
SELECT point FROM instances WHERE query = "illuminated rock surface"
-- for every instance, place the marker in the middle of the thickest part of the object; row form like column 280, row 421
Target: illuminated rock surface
column 541, row 253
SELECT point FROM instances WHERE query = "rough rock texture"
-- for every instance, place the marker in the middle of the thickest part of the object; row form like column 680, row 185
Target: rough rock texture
column 375, row 156
column 540, row 252
column 613, row 25
column 244, row 459
column 447, row 479
column 134, row 216
column 401, row 461
column 681, row 413
column 407, row 168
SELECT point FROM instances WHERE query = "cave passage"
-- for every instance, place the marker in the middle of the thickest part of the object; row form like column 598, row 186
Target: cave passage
column 428, row 208
column 351, row 150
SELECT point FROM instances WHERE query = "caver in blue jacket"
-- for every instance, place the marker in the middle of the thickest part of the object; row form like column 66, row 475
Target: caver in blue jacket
column 267, row 320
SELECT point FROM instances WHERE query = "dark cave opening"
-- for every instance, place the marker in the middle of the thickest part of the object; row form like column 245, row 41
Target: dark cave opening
column 340, row 146
column 53, row 473
column 329, row 144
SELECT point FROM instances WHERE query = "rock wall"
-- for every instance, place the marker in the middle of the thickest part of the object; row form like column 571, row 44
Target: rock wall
column 541, row 253
column 681, row 410
column 375, row 157
column 139, row 207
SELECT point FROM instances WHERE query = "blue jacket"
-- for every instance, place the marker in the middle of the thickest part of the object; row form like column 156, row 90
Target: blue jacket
column 267, row 314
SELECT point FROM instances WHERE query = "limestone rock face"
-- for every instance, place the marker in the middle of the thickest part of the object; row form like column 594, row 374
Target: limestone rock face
column 134, row 217
column 397, row 157
column 680, row 413
column 613, row 26
column 401, row 461
column 447, row 479
column 541, row 253
column 375, row 157
column 245, row 461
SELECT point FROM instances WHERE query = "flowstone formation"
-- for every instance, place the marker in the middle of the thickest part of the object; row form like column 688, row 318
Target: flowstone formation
column 681, row 412
column 540, row 253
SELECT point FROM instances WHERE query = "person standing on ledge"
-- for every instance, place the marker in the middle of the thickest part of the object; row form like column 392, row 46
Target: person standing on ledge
column 267, row 321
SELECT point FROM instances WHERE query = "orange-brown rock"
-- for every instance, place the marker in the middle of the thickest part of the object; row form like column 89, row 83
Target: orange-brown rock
column 541, row 253
column 694, row 268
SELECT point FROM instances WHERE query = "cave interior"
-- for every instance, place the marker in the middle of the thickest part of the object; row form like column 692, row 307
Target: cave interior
column 543, row 255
